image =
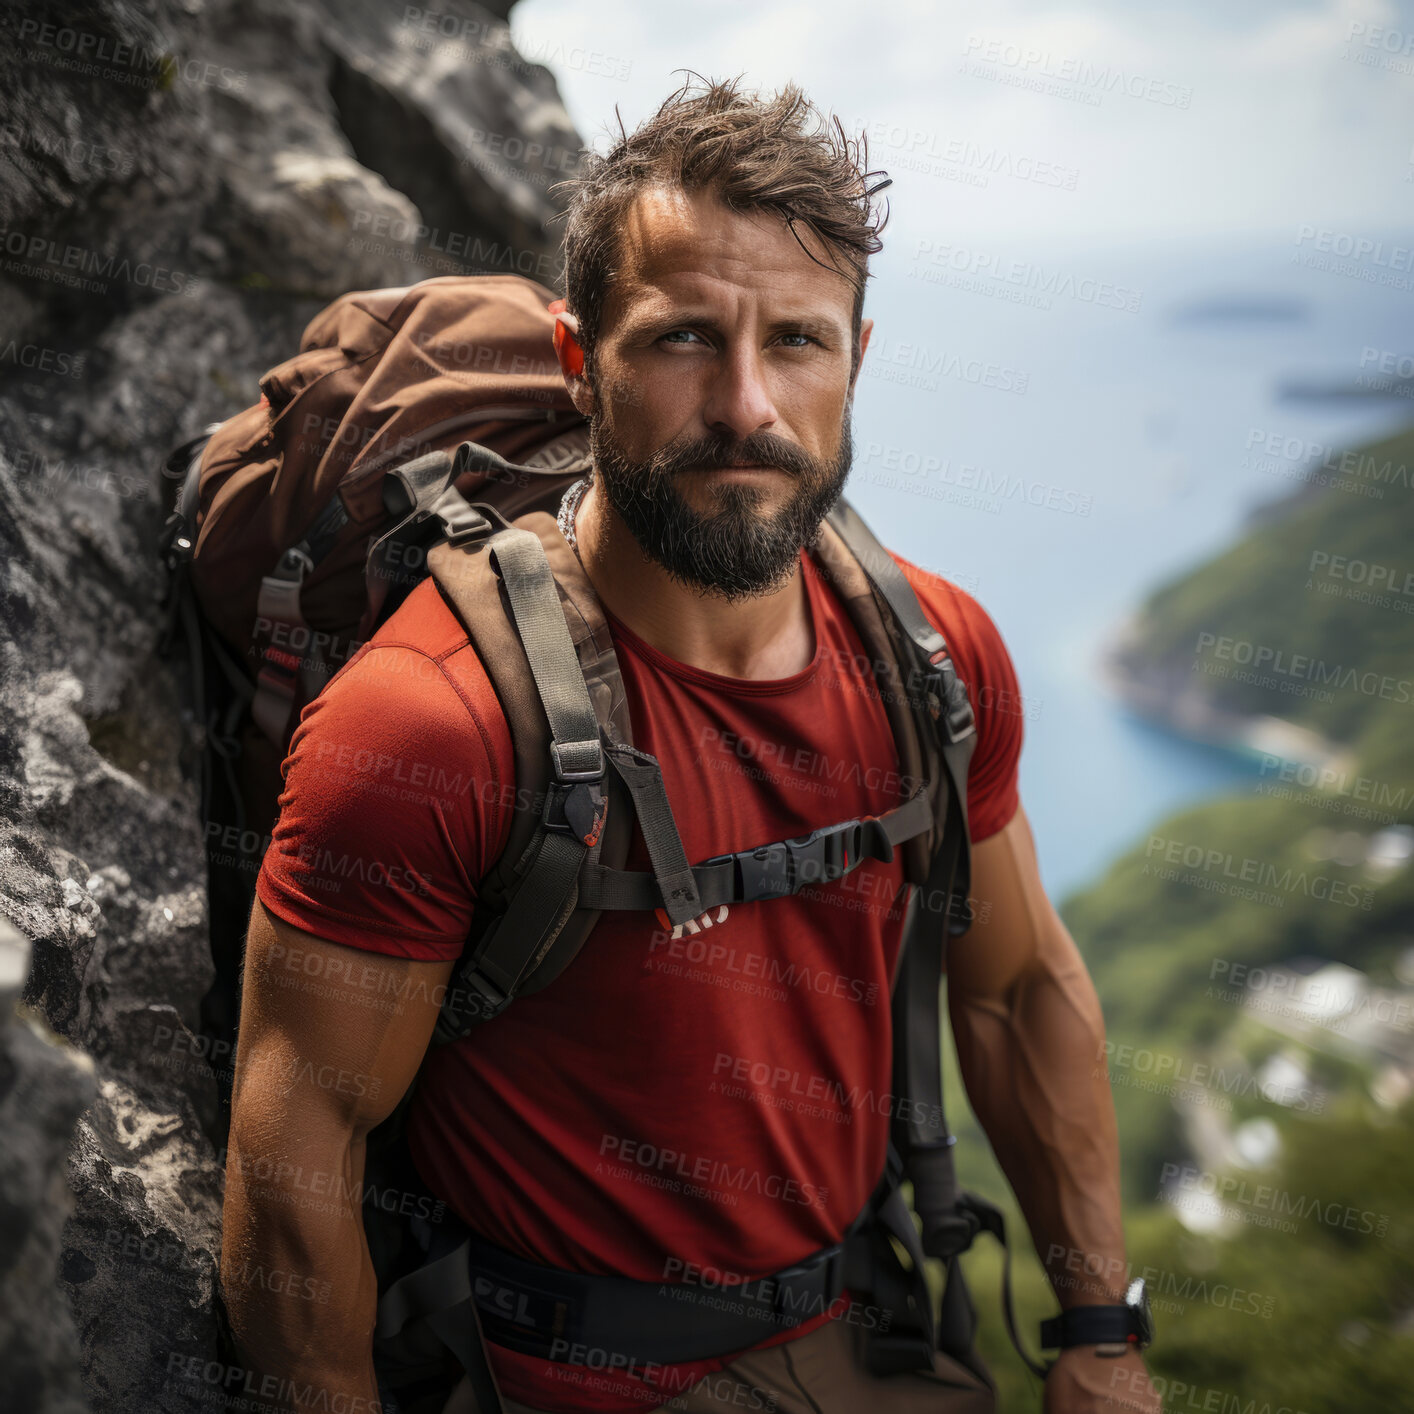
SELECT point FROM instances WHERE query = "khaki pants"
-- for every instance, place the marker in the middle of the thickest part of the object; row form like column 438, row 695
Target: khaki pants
column 821, row 1373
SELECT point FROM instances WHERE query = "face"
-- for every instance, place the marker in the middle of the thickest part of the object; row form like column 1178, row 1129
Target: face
column 721, row 394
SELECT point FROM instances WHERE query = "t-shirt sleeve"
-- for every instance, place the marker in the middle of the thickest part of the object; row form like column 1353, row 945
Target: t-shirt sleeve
column 983, row 663
column 393, row 806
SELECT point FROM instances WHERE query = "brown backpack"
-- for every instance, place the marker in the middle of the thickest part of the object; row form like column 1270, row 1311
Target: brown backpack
column 290, row 491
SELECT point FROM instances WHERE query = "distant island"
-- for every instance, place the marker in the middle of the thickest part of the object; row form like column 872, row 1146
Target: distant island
column 1240, row 309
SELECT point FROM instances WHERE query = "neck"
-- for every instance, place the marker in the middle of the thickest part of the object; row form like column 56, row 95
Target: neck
column 766, row 636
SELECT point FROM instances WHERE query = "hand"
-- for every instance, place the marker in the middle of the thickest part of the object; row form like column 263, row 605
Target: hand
column 1085, row 1383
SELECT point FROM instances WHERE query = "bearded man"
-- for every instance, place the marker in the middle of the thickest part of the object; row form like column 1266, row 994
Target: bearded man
column 712, row 333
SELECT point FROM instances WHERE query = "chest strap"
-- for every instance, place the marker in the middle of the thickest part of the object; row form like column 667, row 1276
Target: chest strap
column 490, row 979
column 767, row 871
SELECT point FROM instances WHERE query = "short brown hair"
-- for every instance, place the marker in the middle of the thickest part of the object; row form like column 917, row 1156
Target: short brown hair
column 774, row 154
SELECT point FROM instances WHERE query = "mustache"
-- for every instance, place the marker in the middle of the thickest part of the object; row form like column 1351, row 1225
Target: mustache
column 715, row 453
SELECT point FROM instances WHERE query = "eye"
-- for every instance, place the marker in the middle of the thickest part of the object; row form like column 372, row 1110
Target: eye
column 672, row 336
column 805, row 338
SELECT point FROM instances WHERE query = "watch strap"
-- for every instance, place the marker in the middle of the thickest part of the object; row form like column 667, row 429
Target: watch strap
column 1089, row 1325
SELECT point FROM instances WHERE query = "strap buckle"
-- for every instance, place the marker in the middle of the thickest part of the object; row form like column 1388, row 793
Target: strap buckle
column 947, row 699
column 175, row 544
column 575, row 803
column 581, row 751
column 478, row 997
column 796, row 1288
column 784, row 867
column 295, row 563
column 460, row 520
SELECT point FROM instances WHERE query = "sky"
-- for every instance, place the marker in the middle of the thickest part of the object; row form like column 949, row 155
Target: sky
column 1069, row 125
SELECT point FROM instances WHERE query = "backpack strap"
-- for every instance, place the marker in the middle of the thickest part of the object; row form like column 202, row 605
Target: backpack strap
column 574, row 801
column 951, row 1218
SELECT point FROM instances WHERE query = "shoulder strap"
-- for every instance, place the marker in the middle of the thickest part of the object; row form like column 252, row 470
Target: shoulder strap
column 920, row 1141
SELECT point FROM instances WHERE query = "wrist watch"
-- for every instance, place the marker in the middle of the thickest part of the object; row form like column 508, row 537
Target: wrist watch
column 1111, row 1329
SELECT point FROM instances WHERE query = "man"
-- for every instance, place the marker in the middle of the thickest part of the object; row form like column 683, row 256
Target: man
column 716, row 262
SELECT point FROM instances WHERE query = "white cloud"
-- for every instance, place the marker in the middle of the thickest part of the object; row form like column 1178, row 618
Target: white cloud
column 1283, row 124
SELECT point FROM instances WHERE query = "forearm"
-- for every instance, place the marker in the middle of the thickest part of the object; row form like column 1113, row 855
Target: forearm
column 1033, row 1064
column 295, row 1272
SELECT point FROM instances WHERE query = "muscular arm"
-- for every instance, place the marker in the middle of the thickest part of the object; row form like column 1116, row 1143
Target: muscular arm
column 1030, row 1041
column 331, row 1037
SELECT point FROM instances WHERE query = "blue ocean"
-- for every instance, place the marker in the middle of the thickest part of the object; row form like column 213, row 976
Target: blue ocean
column 1062, row 433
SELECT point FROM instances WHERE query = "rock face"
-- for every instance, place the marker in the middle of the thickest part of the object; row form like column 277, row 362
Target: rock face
column 44, row 1086
column 183, row 183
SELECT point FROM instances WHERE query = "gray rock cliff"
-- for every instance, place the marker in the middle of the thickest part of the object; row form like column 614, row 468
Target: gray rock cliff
column 183, row 183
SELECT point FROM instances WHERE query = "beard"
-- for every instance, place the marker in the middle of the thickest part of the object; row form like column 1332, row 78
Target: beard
column 735, row 550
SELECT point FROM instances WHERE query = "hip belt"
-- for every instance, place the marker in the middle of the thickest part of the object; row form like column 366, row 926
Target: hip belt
column 612, row 1322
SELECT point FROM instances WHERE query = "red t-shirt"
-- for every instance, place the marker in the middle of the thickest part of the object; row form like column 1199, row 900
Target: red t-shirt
column 720, row 1098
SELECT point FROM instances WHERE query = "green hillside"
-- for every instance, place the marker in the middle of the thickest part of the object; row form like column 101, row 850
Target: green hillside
column 1212, row 943
column 1310, row 618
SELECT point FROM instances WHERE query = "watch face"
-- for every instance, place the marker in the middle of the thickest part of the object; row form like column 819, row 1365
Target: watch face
column 1137, row 1299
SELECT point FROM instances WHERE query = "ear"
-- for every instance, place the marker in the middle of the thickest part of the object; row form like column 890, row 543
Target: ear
column 571, row 358
column 866, row 327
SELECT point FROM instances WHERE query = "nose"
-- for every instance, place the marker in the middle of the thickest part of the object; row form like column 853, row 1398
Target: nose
column 739, row 401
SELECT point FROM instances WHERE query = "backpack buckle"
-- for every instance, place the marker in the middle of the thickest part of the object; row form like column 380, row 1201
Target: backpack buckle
column 824, row 855
column 948, row 703
column 460, row 520
column 784, row 867
column 575, row 803
column 817, row 1283
column 478, row 997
